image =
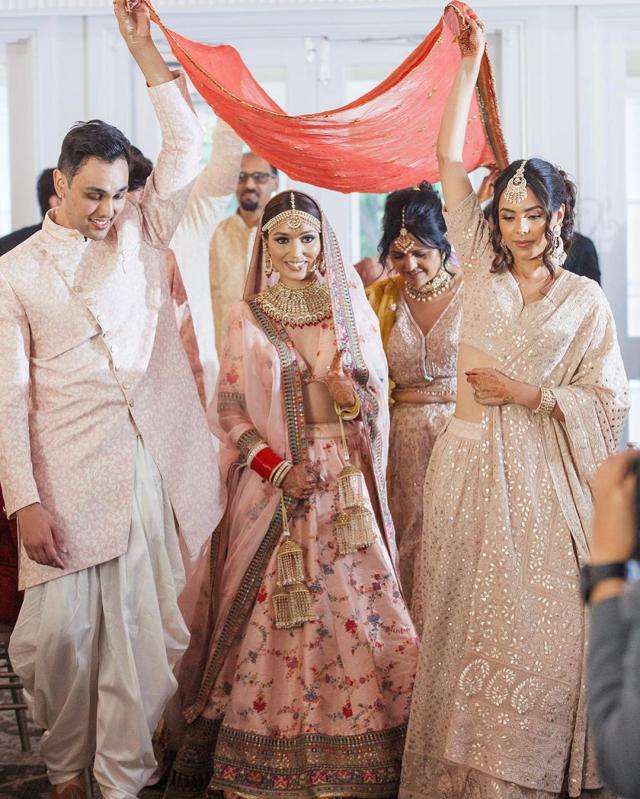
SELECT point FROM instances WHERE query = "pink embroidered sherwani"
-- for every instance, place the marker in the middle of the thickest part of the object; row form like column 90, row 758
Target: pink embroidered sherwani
column 102, row 424
column 87, row 328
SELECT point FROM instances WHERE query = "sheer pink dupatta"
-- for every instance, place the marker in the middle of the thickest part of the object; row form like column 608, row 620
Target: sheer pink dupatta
column 358, row 338
column 251, row 361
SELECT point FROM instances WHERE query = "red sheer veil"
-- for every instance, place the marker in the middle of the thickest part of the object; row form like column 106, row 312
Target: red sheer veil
column 383, row 141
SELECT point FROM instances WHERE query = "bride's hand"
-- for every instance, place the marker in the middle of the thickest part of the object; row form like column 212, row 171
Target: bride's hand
column 472, row 39
column 339, row 383
column 300, row 482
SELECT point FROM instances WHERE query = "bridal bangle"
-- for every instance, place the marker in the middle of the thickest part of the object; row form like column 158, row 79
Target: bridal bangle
column 264, row 461
column 349, row 412
column 255, row 449
column 547, row 402
column 279, row 473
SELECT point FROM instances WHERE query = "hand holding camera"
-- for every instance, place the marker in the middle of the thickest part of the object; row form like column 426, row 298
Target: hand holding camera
column 615, row 528
column 616, row 537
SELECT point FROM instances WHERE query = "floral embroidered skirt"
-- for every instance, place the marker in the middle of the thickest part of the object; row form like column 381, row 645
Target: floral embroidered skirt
column 319, row 710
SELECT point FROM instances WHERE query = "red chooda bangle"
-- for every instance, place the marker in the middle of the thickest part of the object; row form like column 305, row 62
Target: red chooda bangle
column 265, row 461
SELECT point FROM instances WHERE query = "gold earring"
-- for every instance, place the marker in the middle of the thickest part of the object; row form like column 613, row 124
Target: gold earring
column 318, row 264
column 268, row 264
column 558, row 255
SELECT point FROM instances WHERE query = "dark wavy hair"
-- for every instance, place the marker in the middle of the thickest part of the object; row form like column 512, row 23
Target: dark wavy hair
column 423, row 219
column 140, row 167
column 45, row 189
column 553, row 188
column 282, row 202
column 93, row 139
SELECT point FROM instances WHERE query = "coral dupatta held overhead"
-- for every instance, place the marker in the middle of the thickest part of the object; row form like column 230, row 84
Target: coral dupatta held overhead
column 383, row 141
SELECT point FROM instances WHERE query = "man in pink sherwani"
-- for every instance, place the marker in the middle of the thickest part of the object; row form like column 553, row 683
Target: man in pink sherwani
column 104, row 448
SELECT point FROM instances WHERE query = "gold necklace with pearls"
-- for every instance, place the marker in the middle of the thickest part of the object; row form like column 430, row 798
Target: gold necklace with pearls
column 436, row 287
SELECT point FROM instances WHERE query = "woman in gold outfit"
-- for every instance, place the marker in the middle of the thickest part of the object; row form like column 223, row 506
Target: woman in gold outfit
column 419, row 310
column 499, row 701
column 300, row 685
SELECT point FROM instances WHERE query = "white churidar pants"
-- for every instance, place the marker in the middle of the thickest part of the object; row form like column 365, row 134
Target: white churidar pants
column 96, row 650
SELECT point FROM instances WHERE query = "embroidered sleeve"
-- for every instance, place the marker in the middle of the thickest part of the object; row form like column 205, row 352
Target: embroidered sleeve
column 16, row 473
column 470, row 234
column 167, row 190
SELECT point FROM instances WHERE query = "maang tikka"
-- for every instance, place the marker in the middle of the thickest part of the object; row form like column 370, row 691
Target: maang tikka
column 404, row 242
column 294, row 218
column 516, row 191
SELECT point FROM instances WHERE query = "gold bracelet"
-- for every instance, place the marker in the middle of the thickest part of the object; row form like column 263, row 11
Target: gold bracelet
column 547, row 402
column 280, row 472
column 255, row 449
column 349, row 412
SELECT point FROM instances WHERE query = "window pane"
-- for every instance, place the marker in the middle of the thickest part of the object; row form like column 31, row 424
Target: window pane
column 633, row 268
column 632, row 139
column 632, row 180
column 5, row 182
column 634, row 416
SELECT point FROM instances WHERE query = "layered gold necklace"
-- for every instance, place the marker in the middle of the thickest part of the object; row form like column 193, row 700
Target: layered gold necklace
column 436, row 287
column 299, row 307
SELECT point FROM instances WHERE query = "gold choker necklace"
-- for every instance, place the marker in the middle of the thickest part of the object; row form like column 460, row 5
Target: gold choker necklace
column 436, row 287
column 307, row 305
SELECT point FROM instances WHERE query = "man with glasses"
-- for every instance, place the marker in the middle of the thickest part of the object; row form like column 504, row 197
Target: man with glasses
column 232, row 242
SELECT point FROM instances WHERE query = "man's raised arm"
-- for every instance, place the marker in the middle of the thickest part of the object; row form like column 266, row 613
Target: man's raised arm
column 167, row 190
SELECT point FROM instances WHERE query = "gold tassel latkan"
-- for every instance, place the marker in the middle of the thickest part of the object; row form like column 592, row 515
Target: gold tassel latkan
column 355, row 529
column 290, row 563
column 350, row 486
column 293, row 606
column 292, row 601
column 355, row 526
column 281, row 609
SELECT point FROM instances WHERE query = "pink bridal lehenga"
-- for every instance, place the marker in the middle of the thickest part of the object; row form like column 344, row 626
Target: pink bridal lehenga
column 320, row 709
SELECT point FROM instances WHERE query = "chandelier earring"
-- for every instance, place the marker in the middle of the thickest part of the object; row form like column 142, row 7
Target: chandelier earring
column 320, row 265
column 558, row 255
column 268, row 264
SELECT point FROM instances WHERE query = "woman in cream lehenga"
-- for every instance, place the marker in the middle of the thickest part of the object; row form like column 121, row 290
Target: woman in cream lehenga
column 419, row 310
column 300, row 683
column 499, row 701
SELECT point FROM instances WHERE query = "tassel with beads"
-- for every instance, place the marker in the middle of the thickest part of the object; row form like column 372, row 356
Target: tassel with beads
column 355, row 527
column 290, row 563
column 292, row 601
column 350, row 486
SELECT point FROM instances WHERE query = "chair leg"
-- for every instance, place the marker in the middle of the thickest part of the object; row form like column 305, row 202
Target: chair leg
column 23, row 729
column 21, row 719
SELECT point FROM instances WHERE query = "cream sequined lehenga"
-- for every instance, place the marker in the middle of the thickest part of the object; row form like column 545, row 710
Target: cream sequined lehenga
column 425, row 364
column 415, row 360
column 499, row 700
column 319, row 710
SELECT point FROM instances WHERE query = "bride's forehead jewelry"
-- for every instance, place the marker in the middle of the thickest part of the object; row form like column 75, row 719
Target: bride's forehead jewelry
column 404, row 242
column 516, row 191
column 294, row 218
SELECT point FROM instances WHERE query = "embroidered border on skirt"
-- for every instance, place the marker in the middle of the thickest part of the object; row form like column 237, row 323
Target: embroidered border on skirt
column 311, row 766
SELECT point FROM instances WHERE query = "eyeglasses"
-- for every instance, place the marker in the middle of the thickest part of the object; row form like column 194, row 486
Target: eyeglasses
column 257, row 177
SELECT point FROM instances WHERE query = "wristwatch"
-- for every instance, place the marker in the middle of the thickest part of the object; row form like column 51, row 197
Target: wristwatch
column 592, row 575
